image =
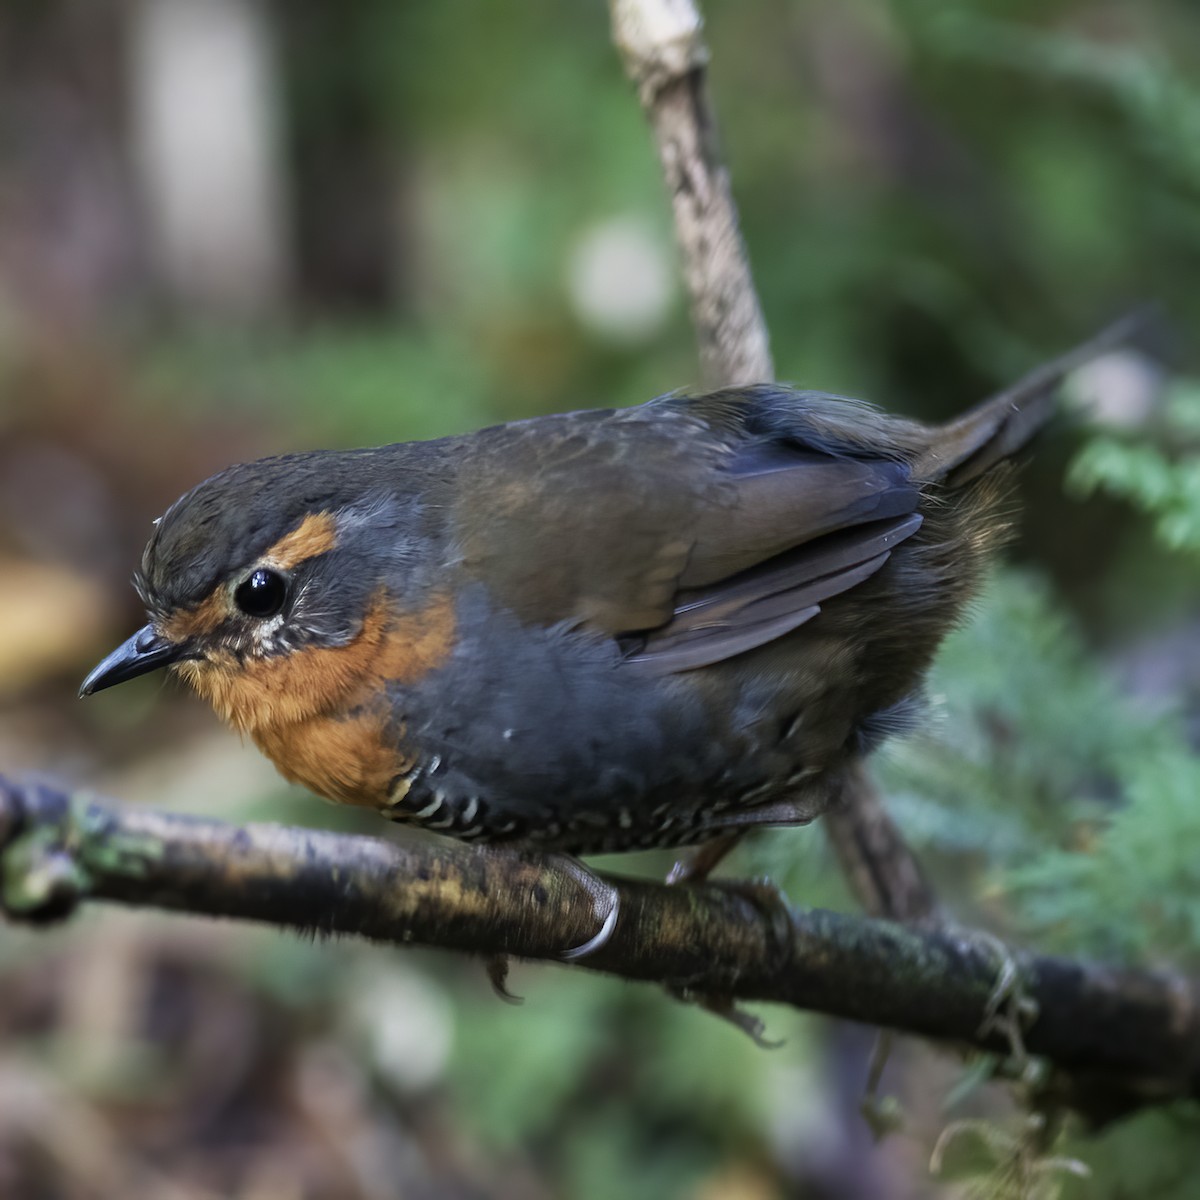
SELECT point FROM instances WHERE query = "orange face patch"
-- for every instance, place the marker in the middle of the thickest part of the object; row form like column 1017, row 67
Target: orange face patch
column 197, row 622
column 296, row 706
column 316, row 534
column 413, row 644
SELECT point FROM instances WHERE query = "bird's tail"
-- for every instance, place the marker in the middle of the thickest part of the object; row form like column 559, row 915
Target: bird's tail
column 964, row 449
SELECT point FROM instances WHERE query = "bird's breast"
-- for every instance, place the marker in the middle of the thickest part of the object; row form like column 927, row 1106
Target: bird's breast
column 350, row 758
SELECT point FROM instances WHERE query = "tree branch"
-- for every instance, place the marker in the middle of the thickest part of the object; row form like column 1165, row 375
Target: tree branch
column 881, row 868
column 1137, row 1030
column 660, row 42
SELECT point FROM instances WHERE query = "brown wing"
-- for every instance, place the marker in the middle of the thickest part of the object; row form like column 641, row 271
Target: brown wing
column 761, row 604
column 647, row 519
column 785, row 495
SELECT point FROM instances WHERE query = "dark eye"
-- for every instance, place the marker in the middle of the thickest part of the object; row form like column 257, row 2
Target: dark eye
column 262, row 595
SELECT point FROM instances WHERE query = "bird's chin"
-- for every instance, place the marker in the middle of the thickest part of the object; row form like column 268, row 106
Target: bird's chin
column 221, row 682
column 204, row 678
column 191, row 670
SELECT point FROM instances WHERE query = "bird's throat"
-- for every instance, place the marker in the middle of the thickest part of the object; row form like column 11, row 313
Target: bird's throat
column 323, row 714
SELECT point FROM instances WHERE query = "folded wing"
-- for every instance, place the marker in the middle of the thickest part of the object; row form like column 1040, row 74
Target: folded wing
column 689, row 536
column 767, row 601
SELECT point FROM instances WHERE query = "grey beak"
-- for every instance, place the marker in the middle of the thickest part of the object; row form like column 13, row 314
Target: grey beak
column 145, row 651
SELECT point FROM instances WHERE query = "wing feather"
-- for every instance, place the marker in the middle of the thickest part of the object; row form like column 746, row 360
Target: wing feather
column 770, row 600
column 696, row 535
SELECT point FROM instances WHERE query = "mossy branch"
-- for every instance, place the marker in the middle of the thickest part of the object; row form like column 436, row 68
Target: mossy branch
column 1119, row 1037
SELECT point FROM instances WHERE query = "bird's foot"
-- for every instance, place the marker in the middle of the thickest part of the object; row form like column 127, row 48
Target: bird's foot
column 726, row 1008
column 606, row 901
column 695, row 868
column 771, row 902
column 697, row 865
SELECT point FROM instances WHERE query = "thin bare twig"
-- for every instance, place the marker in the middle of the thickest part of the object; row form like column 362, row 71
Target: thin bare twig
column 883, row 872
column 662, row 45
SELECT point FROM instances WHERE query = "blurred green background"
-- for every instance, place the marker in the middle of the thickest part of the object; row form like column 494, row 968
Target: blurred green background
column 230, row 228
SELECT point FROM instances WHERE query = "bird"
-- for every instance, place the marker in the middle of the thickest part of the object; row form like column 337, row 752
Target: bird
column 594, row 631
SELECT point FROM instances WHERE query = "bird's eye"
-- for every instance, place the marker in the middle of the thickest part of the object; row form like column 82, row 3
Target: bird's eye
column 262, row 595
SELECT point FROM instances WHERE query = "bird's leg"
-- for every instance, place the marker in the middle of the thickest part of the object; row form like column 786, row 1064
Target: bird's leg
column 607, row 904
column 699, row 862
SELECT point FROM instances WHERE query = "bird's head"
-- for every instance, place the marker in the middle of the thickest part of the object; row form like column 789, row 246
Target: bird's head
column 271, row 587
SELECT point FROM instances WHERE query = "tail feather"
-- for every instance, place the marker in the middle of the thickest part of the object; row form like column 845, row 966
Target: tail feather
column 965, row 448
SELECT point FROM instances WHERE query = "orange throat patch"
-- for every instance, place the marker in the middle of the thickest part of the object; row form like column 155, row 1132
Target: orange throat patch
column 322, row 715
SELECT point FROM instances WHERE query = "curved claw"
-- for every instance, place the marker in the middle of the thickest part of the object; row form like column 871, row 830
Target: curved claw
column 604, row 897
column 1009, row 1009
column 496, row 966
column 755, row 1028
column 727, row 1009
column 600, row 939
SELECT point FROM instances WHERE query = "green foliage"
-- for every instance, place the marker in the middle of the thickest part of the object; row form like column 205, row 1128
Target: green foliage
column 564, row 1070
column 1131, row 886
column 1079, row 804
column 1025, row 732
column 1160, row 481
column 336, row 384
column 515, row 1105
column 1160, row 103
column 1154, row 1155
